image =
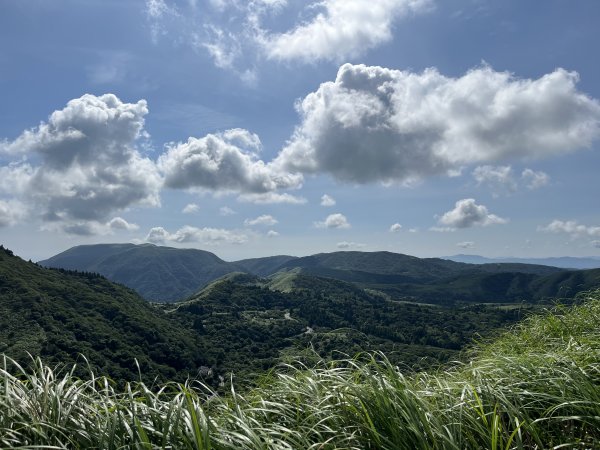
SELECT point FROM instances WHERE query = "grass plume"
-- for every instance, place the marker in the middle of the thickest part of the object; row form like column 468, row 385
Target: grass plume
column 537, row 386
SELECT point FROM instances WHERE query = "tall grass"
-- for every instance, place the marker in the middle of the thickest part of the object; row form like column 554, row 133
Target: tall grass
column 537, row 386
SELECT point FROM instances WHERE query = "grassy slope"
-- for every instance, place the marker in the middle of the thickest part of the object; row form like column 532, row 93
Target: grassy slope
column 58, row 315
column 538, row 386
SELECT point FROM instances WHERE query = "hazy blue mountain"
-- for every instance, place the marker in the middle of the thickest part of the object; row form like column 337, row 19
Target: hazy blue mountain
column 565, row 262
column 156, row 273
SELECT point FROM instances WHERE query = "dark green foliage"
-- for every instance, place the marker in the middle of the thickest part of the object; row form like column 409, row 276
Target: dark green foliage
column 443, row 282
column 248, row 328
column 265, row 266
column 169, row 274
column 157, row 273
column 60, row 314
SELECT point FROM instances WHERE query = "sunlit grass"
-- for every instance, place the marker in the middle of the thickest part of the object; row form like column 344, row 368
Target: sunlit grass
column 537, row 386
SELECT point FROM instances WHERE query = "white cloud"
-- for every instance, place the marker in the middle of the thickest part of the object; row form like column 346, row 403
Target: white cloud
column 118, row 223
column 272, row 234
column 82, row 165
column 272, row 198
column 91, row 227
column 158, row 8
column 374, row 124
column 346, row 245
column 265, row 219
column 501, row 178
column 343, row 29
column 223, row 46
column 572, row 228
column 158, row 11
column 467, row 213
column 498, row 178
column 11, row 212
column 191, row 208
column 466, row 244
column 595, row 244
column 334, row 221
column 225, row 162
column 535, row 180
column 327, row 200
column 187, row 234
column 395, row 228
column 318, row 30
column 226, row 211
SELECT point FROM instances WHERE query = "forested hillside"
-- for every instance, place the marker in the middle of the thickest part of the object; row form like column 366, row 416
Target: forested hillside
column 157, row 273
column 60, row 315
column 168, row 274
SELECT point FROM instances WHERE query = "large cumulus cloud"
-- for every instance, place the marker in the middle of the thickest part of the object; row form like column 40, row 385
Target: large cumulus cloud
column 225, row 162
column 82, row 165
column 374, row 124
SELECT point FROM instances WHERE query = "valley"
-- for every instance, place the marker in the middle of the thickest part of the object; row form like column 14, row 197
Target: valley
column 247, row 317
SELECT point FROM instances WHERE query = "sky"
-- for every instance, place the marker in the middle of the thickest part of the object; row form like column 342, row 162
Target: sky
column 264, row 127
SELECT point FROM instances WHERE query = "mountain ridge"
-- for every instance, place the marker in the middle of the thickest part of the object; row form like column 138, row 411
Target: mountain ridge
column 565, row 262
column 169, row 274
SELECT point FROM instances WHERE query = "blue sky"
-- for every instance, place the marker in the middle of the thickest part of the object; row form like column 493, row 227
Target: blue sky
column 253, row 128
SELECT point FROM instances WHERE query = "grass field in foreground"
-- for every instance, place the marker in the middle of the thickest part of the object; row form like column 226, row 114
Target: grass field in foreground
column 537, row 386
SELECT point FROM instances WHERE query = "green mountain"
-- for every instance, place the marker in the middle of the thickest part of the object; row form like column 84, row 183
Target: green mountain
column 443, row 282
column 157, row 273
column 59, row 314
column 266, row 266
column 403, row 267
column 168, row 274
column 249, row 324
column 240, row 324
column 245, row 324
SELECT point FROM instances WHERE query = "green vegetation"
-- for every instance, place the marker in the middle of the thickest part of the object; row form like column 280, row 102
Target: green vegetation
column 240, row 325
column 248, row 325
column 167, row 274
column 537, row 386
column 58, row 315
column 156, row 273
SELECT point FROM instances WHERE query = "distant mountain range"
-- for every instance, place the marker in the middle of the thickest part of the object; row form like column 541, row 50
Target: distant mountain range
column 565, row 262
column 168, row 274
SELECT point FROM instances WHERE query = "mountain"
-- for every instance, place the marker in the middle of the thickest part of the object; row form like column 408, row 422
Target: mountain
column 395, row 266
column 565, row 262
column 433, row 280
column 169, row 274
column 59, row 314
column 245, row 324
column 265, row 266
column 249, row 324
column 156, row 273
